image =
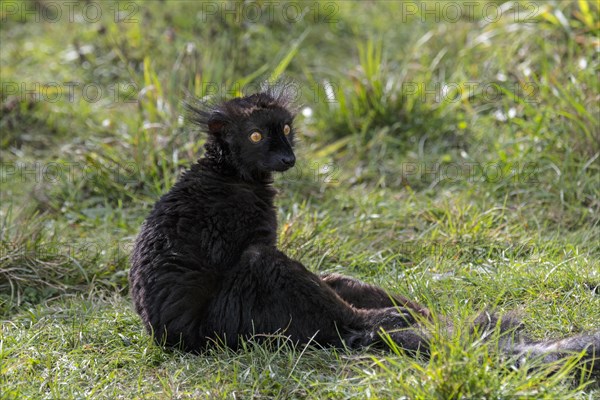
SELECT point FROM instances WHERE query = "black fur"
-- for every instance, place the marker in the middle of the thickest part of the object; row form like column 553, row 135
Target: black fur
column 205, row 265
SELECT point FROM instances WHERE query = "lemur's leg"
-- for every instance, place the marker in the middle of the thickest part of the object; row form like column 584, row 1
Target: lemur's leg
column 363, row 295
column 269, row 293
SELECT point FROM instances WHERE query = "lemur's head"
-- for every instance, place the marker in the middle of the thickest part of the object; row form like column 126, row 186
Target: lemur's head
column 255, row 133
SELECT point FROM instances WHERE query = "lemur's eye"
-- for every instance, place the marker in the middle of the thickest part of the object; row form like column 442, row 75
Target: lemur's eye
column 255, row 137
column 286, row 130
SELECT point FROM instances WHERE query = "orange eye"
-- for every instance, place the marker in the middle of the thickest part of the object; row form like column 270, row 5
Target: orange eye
column 286, row 130
column 256, row 137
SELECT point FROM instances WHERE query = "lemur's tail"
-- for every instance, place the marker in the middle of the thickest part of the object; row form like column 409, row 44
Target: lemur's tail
column 515, row 344
column 588, row 346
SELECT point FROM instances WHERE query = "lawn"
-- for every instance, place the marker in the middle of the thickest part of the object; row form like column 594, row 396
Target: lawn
column 449, row 152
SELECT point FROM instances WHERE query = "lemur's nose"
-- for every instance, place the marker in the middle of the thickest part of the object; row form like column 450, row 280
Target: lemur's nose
column 288, row 160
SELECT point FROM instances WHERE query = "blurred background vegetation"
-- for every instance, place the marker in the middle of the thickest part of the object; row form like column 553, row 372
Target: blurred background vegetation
column 449, row 150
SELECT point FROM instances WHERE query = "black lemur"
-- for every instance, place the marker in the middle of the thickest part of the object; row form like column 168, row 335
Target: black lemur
column 206, row 268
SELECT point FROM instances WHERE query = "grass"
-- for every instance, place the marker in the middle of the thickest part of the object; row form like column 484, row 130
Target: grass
column 454, row 161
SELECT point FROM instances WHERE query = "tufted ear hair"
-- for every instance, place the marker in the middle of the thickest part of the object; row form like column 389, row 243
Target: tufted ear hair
column 213, row 115
column 206, row 115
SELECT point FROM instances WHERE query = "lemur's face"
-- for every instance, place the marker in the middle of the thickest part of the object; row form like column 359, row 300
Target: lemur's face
column 255, row 132
column 263, row 141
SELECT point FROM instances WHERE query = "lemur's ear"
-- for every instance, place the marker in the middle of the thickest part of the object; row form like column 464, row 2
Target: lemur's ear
column 206, row 115
column 216, row 123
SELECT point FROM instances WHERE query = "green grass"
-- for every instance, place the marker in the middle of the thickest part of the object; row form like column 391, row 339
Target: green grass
column 453, row 161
